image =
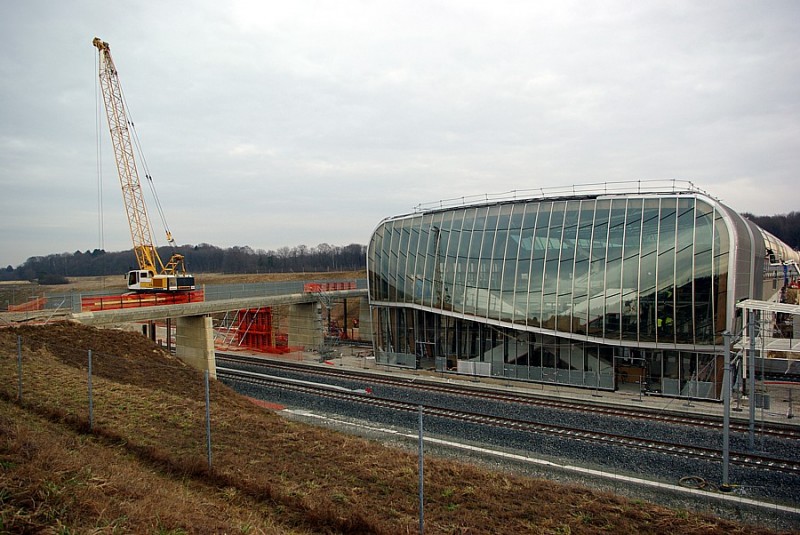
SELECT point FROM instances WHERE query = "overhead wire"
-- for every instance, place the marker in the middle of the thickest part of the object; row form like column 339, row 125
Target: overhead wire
column 146, row 170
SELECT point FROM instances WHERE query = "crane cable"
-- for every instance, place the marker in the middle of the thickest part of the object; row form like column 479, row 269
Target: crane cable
column 145, row 168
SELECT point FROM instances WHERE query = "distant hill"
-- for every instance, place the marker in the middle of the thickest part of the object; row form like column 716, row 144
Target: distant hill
column 203, row 258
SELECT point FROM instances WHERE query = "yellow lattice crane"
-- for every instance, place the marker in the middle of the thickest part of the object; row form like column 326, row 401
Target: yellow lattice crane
column 153, row 274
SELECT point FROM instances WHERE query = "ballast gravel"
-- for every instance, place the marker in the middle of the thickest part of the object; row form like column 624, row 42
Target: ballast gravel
column 768, row 485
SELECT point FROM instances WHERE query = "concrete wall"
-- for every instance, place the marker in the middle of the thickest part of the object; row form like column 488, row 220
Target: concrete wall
column 365, row 320
column 305, row 325
column 194, row 341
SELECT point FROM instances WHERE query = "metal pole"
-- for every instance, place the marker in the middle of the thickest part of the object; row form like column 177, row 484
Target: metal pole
column 19, row 367
column 91, row 401
column 597, row 379
column 739, row 378
column 726, row 415
column 751, row 379
column 421, row 478
column 208, row 422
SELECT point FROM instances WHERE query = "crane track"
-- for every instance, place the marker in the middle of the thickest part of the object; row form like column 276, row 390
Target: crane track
column 673, row 418
column 654, row 446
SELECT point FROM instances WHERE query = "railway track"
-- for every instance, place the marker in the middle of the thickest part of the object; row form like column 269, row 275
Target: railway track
column 747, row 460
column 627, row 412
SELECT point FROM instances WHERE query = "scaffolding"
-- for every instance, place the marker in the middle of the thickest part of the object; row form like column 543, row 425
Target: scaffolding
column 253, row 329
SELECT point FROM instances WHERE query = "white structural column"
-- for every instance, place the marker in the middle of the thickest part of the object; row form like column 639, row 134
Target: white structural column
column 194, row 341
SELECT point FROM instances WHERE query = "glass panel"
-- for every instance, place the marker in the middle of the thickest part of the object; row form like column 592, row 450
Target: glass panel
column 703, row 240
column 402, row 258
column 684, row 273
column 374, row 252
column 382, row 265
column 524, row 260
column 597, row 268
column 613, row 283
column 537, row 264
column 688, row 372
column 473, row 258
column 391, row 258
column 509, row 263
column 647, row 270
column 460, row 282
column 494, row 260
column 441, row 275
column 567, row 266
column 487, row 247
column 412, row 289
column 665, row 297
column 552, row 253
column 430, row 233
column 630, row 270
column 721, row 247
column 454, row 267
column 670, row 379
column 583, row 250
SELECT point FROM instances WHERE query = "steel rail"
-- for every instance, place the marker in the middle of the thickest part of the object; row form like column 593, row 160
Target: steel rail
column 654, row 446
column 659, row 415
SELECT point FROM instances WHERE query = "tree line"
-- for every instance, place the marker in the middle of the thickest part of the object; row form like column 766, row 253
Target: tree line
column 206, row 258
column 203, row 258
column 785, row 227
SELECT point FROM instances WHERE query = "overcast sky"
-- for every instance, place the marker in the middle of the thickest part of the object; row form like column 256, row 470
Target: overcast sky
column 273, row 124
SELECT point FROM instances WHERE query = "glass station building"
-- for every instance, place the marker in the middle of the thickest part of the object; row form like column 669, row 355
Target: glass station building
column 623, row 284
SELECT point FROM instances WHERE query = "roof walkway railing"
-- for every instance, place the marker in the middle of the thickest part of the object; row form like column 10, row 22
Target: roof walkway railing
column 594, row 189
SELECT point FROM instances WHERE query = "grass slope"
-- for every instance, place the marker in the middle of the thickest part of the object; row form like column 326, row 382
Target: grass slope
column 142, row 468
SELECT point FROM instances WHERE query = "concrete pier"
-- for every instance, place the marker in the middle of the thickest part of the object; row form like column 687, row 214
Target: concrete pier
column 194, row 341
column 305, row 325
column 365, row 320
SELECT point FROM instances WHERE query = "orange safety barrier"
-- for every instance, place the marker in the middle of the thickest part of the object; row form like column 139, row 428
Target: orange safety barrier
column 34, row 304
column 312, row 287
column 116, row 302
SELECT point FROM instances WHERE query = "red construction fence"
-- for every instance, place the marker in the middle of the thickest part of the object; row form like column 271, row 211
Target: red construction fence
column 115, row 302
column 312, row 287
column 37, row 303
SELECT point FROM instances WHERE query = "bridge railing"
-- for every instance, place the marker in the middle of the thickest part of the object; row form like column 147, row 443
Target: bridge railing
column 216, row 292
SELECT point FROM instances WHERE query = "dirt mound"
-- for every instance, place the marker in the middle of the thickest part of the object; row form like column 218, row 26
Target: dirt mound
column 121, row 356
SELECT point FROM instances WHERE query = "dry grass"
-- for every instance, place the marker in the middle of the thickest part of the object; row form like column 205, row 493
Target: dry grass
column 142, row 469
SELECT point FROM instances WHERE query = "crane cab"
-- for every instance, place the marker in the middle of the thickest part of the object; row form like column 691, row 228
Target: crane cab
column 142, row 280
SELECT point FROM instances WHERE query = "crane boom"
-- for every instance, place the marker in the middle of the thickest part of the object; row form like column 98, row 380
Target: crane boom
column 153, row 274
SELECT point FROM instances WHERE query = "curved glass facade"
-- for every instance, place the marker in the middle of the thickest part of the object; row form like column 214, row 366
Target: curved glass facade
column 569, row 290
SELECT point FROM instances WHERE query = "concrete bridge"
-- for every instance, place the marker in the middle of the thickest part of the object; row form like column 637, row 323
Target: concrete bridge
column 194, row 341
